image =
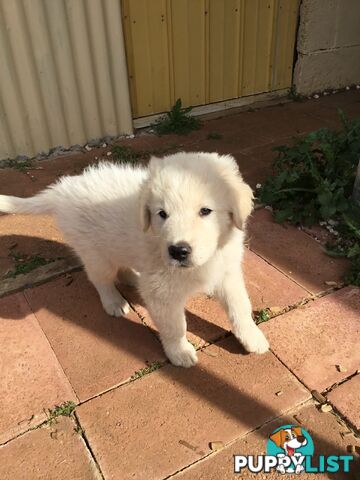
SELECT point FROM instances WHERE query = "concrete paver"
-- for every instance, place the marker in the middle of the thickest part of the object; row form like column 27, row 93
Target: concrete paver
column 313, row 340
column 346, row 399
column 294, row 252
column 323, row 428
column 160, row 423
column 53, row 452
column 95, row 350
column 31, row 379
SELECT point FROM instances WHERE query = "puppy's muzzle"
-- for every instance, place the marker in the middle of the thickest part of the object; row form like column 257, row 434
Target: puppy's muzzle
column 180, row 252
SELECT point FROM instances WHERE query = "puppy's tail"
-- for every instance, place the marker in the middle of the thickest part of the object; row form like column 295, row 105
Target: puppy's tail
column 41, row 203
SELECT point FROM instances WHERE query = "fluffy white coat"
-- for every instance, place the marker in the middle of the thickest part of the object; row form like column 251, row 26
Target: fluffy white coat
column 124, row 218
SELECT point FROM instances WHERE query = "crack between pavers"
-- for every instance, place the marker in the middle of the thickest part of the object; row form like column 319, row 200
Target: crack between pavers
column 324, row 392
column 84, row 438
column 313, row 296
column 280, row 270
column 340, row 382
column 345, row 422
column 246, row 434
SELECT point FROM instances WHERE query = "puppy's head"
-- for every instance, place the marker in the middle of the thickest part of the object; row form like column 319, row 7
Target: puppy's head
column 191, row 202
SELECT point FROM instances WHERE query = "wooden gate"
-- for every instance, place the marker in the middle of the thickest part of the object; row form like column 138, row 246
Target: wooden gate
column 206, row 51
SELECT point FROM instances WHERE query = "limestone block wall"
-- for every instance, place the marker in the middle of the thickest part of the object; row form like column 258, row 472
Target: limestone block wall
column 328, row 46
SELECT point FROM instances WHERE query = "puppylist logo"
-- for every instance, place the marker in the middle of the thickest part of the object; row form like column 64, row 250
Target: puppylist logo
column 290, row 450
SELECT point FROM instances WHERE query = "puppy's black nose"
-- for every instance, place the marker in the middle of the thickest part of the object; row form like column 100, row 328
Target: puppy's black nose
column 301, row 438
column 180, row 251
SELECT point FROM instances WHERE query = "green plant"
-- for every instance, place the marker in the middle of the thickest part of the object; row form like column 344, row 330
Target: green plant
column 313, row 181
column 214, row 136
column 21, row 165
column 262, row 316
column 64, row 410
column 25, row 264
column 144, row 371
column 293, row 95
column 177, row 121
column 124, row 154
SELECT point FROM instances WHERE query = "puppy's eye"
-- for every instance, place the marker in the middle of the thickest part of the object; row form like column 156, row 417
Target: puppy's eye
column 204, row 212
column 162, row 214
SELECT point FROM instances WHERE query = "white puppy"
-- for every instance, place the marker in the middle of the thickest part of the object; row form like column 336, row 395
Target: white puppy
column 178, row 225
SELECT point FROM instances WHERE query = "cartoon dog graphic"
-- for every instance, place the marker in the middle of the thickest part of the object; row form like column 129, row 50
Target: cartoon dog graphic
column 289, row 439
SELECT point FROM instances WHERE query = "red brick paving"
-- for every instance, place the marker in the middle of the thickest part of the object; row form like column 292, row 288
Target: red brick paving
column 31, row 379
column 346, row 399
column 95, row 350
column 323, row 428
column 294, row 252
column 160, row 423
column 314, row 339
column 48, row 453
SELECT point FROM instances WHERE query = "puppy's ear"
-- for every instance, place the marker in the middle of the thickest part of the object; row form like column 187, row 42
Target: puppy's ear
column 277, row 438
column 241, row 195
column 145, row 214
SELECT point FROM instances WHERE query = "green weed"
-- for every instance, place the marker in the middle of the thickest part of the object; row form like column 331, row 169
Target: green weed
column 25, row 264
column 21, row 165
column 177, row 121
column 144, row 371
column 124, row 154
column 294, row 96
column 64, row 410
column 313, row 182
column 262, row 316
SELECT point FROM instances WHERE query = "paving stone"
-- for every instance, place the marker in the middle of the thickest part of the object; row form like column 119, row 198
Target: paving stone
column 314, row 339
column 323, row 428
column 255, row 163
column 31, row 379
column 29, row 235
column 160, row 423
column 56, row 452
column 346, row 399
column 294, row 252
column 267, row 286
column 95, row 350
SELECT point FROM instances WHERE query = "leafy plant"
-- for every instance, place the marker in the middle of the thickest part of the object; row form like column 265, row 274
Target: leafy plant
column 262, row 316
column 146, row 370
column 25, row 264
column 177, row 121
column 64, row 410
column 124, row 154
column 293, row 95
column 313, row 181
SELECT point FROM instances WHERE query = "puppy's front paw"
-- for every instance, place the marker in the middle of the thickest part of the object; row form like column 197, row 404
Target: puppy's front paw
column 181, row 354
column 116, row 307
column 254, row 340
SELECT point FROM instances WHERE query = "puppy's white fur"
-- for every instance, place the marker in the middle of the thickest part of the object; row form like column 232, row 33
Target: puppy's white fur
column 110, row 216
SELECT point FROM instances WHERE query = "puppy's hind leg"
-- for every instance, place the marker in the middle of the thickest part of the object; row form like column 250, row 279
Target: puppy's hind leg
column 103, row 277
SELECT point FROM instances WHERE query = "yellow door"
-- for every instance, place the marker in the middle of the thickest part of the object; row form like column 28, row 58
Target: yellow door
column 206, row 51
